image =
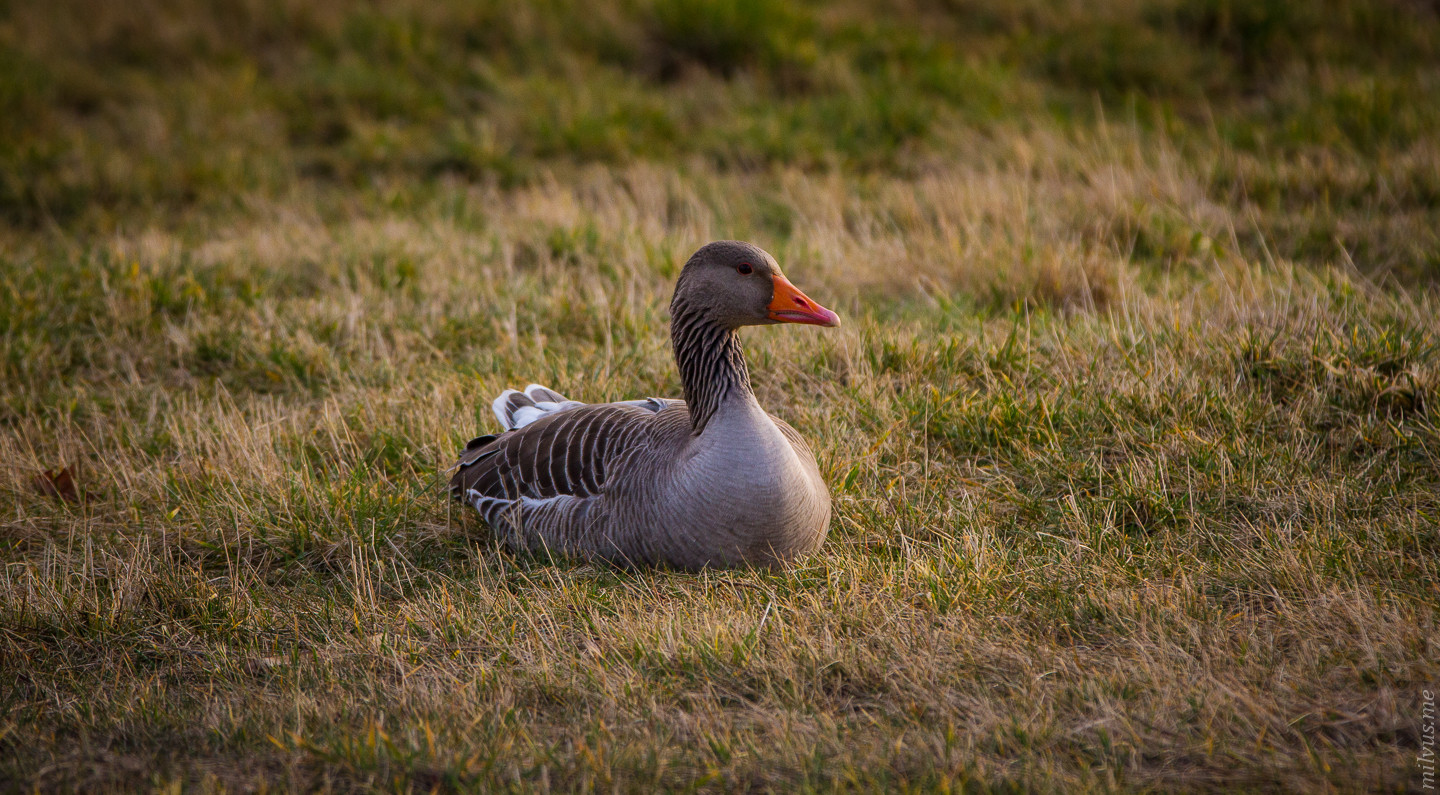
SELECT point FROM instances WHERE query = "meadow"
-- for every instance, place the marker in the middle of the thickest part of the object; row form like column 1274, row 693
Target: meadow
column 1130, row 425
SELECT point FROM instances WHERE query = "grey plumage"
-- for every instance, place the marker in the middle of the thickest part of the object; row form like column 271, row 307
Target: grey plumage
column 709, row 481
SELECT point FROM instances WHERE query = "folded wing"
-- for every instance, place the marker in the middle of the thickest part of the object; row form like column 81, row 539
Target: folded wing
column 538, row 478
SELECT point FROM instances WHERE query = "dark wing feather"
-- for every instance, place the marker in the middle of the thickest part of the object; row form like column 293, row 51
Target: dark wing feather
column 566, row 453
column 539, row 393
column 479, row 442
column 510, row 403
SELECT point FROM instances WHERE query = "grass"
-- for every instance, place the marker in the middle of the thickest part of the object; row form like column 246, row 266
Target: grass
column 1130, row 427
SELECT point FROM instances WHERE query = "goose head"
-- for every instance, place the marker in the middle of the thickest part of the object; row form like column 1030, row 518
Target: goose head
column 734, row 284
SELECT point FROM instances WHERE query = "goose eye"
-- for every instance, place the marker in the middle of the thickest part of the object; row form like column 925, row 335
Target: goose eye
column 744, row 268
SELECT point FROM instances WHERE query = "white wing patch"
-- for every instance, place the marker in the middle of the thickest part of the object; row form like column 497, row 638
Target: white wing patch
column 498, row 406
column 486, row 505
column 515, row 409
column 536, row 502
column 526, row 415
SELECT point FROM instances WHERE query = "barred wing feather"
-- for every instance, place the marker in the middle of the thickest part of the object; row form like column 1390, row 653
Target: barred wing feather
column 555, row 454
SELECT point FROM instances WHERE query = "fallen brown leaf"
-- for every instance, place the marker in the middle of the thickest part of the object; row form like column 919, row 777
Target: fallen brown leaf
column 60, row 485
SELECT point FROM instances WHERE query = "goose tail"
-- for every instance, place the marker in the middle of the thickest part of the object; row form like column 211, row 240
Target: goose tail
column 516, row 409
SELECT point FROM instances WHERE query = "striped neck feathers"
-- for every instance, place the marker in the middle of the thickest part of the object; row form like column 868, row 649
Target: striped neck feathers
column 712, row 366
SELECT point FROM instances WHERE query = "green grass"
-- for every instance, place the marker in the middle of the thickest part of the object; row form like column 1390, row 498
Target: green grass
column 1130, row 425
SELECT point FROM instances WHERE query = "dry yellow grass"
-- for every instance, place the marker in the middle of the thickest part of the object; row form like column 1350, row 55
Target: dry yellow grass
column 1098, row 526
column 1130, row 424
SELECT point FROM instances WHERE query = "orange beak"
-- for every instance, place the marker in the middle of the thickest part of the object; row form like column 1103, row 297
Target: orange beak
column 789, row 305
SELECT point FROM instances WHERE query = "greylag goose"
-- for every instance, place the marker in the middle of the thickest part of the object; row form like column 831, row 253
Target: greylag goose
column 711, row 480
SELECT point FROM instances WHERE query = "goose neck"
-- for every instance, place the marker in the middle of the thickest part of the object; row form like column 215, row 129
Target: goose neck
column 711, row 363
